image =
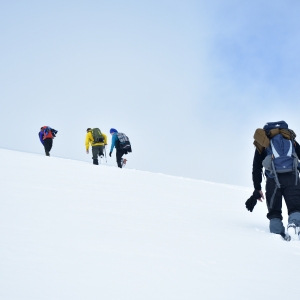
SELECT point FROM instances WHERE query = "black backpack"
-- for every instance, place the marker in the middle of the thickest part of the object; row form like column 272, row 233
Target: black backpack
column 124, row 142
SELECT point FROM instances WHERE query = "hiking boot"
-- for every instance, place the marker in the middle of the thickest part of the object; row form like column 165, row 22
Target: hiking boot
column 47, row 153
column 123, row 162
column 294, row 231
column 95, row 162
column 285, row 236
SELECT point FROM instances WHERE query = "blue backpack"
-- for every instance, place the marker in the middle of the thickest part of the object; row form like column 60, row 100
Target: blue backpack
column 281, row 156
column 272, row 125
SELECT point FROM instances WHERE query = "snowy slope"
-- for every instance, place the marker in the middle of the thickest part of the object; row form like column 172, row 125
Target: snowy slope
column 72, row 230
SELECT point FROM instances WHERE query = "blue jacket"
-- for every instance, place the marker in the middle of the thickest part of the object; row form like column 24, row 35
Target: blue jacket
column 113, row 142
column 41, row 134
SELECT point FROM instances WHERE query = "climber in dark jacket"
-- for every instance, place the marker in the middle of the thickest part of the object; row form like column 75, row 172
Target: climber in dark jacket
column 278, row 184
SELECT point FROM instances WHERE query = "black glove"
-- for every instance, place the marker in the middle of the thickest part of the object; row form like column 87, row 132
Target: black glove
column 251, row 202
column 256, row 194
column 110, row 154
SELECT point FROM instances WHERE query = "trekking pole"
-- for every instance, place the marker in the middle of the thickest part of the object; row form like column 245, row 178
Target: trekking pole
column 105, row 153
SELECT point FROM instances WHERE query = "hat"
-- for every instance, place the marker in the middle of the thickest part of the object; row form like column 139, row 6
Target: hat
column 113, row 130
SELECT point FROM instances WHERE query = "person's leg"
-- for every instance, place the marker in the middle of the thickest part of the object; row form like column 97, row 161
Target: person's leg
column 48, row 146
column 95, row 155
column 100, row 150
column 275, row 212
column 276, row 226
column 119, row 155
column 293, row 227
column 294, row 218
column 291, row 194
column 51, row 144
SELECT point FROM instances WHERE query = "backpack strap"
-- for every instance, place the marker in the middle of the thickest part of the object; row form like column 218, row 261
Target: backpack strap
column 272, row 198
column 276, row 187
column 275, row 175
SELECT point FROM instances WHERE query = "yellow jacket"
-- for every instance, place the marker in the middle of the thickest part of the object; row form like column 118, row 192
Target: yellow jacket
column 90, row 140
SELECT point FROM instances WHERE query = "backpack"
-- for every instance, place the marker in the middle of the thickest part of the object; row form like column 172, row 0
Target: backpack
column 281, row 156
column 262, row 136
column 272, row 125
column 97, row 136
column 47, row 133
column 54, row 132
column 124, row 142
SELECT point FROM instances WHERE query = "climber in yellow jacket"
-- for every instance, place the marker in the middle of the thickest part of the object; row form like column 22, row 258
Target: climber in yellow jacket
column 98, row 141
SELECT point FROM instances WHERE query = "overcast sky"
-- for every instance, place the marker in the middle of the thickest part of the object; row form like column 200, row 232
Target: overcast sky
column 187, row 81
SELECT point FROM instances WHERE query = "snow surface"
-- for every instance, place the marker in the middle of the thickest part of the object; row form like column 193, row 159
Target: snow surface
column 72, row 230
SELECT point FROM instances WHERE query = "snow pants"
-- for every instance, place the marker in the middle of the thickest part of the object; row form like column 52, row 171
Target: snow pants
column 291, row 194
column 48, row 146
column 119, row 155
column 97, row 151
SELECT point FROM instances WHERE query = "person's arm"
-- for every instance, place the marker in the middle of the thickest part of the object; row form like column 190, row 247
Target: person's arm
column 87, row 142
column 105, row 139
column 41, row 137
column 257, row 169
column 113, row 143
column 297, row 149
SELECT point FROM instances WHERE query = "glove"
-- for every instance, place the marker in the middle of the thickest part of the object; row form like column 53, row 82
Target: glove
column 257, row 195
column 110, row 154
column 251, row 202
column 87, row 151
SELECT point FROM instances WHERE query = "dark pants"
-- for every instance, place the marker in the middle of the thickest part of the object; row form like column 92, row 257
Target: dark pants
column 48, row 145
column 97, row 151
column 290, row 192
column 119, row 155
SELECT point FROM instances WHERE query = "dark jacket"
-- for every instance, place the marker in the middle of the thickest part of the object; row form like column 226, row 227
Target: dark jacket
column 257, row 167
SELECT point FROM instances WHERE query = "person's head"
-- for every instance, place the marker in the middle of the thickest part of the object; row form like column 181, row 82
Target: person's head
column 42, row 128
column 88, row 129
column 113, row 130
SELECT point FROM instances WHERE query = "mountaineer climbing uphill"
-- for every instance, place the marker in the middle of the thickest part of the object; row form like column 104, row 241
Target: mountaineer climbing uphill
column 121, row 142
column 277, row 152
column 46, row 135
column 98, row 141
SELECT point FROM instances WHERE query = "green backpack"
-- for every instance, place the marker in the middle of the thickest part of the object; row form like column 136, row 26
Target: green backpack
column 97, row 136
